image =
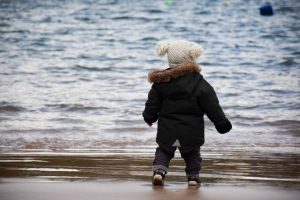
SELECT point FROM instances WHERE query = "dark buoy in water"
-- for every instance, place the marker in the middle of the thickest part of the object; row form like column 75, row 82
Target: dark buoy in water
column 266, row 9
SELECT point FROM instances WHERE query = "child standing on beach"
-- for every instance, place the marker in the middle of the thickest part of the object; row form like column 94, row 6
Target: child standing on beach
column 178, row 99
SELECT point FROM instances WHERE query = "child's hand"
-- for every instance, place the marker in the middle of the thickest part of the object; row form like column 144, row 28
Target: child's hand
column 150, row 124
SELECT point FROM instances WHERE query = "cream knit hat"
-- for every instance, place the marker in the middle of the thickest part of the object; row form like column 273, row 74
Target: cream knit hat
column 179, row 51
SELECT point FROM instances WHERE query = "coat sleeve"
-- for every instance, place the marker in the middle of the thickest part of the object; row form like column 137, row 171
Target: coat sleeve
column 152, row 106
column 209, row 103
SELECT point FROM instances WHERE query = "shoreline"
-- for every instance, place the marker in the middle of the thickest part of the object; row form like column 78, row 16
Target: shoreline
column 275, row 170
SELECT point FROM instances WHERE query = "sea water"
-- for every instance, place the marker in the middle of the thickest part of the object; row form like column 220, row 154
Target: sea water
column 73, row 73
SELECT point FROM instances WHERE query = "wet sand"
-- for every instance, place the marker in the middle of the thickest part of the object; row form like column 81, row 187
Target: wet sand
column 237, row 168
column 126, row 175
column 28, row 189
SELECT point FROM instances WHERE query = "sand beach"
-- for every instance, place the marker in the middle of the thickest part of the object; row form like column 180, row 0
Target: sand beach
column 34, row 175
column 28, row 189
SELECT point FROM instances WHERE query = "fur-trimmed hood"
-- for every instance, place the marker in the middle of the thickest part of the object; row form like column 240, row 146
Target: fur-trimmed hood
column 159, row 76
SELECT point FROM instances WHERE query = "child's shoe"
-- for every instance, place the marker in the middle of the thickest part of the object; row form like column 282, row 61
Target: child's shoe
column 194, row 181
column 158, row 177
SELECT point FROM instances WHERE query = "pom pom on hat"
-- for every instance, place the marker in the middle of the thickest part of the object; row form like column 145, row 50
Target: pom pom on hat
column 196, row 50
column 179, row 51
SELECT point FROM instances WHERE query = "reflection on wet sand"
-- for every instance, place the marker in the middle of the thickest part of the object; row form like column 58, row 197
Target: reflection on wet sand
column 134, row 190
column 237, row 168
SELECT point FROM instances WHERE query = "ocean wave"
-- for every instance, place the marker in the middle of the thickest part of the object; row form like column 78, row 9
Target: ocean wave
column 288, row 9
column 130, row 18
column 14, row 31
column 248, row 118
column 7, row 107
column 80, row 67
column 128, row 129
column 296, row 53
column 149, row 39
column 74, row 107
column 154, row 11
column 2, row 24
column 83, row 18
column 293, row 123
column 288, row 62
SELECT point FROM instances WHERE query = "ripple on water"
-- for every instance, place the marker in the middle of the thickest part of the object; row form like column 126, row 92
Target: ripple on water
column 97, row 69
column 74, row 107
column 288, row 62
column 9, row 107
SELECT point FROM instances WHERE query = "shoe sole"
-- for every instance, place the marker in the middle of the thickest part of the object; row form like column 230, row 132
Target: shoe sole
column 157, row 180
column 193, row 183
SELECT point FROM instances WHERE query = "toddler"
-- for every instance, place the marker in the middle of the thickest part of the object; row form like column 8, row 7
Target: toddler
column 178, row 99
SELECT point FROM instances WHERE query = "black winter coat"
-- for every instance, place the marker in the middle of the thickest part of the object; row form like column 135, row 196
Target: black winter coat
column 178, row 99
